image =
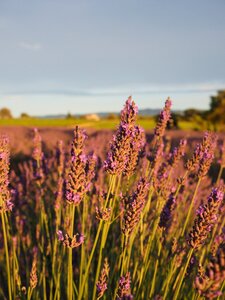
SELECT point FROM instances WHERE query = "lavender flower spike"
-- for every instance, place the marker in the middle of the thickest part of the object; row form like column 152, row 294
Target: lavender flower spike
column 70, row 242
column 129, row 113
column 136, row 147
column 124, row 289
column 206, row 218
column 134, row 206
column 5, row 198
column 163, row 119
column 81, row 171
column 102, row 283
column 118, row 155
column 209, row 283
column 166, row 213
column 37, row 151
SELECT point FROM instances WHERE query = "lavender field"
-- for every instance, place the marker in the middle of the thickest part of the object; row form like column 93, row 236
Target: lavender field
column 115, row 215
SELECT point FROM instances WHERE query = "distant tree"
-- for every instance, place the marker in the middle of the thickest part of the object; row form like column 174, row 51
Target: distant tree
column 173, row 121
column 216, row 113
column 5, row 113
column 69, row 116
column 191, row 113
column 24, row 115
column 111, row 116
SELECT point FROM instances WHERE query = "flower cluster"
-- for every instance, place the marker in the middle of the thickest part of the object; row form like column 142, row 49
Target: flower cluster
column 5, row 198
column 203, row 155
column 134, row 205
column 103, row 213
column 127, row 143
column 155, row 157
column 37, row 156
column 206, row 218
column 136, row 145
column 37, row 151
column 166, row 213
column 124, row 289
column 157, row 145
column 163, row 119
column 207, row 155
column 33, row 273
column 81, row 171
column 218, row 241
column 209, row 283
column 69, row 242
column 102, row 283
column 162, row 182
column 177, row 154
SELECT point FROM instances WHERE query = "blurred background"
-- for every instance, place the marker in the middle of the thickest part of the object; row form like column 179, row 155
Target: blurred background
column 67, row 62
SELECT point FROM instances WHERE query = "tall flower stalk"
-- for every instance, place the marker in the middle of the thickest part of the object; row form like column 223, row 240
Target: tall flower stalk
column 200, row 163
column 78, row 183
column 5, row 202
column 206, row 218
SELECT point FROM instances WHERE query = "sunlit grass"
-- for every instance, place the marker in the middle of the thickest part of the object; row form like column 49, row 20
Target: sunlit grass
column 147, row 124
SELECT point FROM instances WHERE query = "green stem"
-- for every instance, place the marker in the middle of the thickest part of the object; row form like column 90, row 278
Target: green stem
column 171, row 272
column 106, row 227
column 124, row 250
column 70, row 257
column 29, row 294
column 7, row 255
column 57, row 288
column 84, row 279
column 14, row 271
column 183, row 274
column 155, row 271
column 219, row 174
column 190, row 207
column 44, row 280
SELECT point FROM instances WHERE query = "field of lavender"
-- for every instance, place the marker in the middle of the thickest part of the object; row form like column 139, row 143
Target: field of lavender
column 134, row 218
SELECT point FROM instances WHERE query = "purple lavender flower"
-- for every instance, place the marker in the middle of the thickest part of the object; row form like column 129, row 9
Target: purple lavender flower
column 163, row 119
column 134, row 205
column 206, row 218
column 102, row 282
column 38, row 156
column 5, row 197
column 208, row 283
column 155, row 157
column 82, row 170
column 70, row 242
column 207, row 156
column 124, row 289
column 127, row 142
column 203, row 155
column 166, row 213
column 37, row 151
column 136, row 146
column 118, row 155
column 9, row 205
column 129, row 112
column 178, row 153
column 60, row 235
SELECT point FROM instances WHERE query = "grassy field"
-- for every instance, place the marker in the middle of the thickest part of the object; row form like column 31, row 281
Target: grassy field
column 147, row 124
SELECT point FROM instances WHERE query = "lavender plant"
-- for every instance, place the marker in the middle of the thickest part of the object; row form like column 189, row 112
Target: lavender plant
column 143, row 205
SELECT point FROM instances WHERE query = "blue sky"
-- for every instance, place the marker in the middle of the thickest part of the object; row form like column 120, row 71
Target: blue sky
column 86, row 56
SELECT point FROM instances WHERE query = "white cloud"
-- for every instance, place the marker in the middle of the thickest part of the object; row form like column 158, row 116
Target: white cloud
column 125, row 90
column 30, row 46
